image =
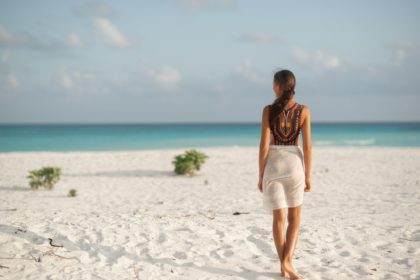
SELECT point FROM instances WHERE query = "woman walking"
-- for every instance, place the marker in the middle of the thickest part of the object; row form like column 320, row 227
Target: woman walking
column 284, row 169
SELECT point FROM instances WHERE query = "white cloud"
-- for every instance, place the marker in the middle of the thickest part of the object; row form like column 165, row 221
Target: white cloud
column 27, row 40
column 83, row 76
column 404, row 51
column 12, row 81
column 317, row 60
column 247, row 71
column 166, row 76
column 73, row 40
column 259, row 38
column 110, row 32
column 66, row 81
column 4, row 35
column 6, row 38
column 204, row 4
column 75, row 80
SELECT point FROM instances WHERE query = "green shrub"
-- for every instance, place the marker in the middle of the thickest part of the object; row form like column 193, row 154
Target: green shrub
column 72, row 193
column 45, row 177
column 189, row 162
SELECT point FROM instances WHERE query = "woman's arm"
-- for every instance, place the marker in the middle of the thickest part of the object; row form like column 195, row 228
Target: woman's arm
column 307, row 147
column 264, row 143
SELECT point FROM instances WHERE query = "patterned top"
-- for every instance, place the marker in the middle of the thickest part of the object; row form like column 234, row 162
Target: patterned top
column 287, row 128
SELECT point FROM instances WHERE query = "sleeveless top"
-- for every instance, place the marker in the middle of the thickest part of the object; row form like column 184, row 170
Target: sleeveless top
column 287, row 128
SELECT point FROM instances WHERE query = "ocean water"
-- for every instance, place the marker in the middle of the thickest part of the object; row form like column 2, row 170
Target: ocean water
column 92, row 137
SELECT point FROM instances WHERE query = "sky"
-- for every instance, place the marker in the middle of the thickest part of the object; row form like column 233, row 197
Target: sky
column 206, row 60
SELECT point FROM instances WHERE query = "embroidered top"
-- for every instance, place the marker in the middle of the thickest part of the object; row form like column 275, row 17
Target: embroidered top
column 287, row 127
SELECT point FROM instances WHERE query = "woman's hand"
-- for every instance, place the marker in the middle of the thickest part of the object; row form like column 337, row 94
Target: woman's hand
column 260, row 181
column 308, row 184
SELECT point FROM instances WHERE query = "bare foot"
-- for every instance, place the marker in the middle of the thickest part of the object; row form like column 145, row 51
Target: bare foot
column 290, row 271
column 283, row 273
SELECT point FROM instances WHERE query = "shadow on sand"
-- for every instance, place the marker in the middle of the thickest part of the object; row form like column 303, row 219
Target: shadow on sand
column 126, row 173
column 112, row 254
column 15, row 189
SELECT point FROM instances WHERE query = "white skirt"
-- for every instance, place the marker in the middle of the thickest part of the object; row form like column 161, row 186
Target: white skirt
column 284, row 177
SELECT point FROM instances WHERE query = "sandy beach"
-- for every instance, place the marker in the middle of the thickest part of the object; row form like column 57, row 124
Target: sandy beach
column 133, row 218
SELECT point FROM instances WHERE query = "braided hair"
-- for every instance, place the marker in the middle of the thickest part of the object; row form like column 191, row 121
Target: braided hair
column 286, row 80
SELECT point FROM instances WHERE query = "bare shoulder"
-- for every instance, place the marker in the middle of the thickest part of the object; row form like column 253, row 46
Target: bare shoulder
column 266, row 114
column 305, row 110
column 266, row 109
column 305, row 114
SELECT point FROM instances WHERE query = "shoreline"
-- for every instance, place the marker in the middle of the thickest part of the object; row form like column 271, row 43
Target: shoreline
column 211, row 148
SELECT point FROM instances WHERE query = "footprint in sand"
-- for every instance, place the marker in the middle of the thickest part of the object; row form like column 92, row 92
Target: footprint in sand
column 222, row 252
column 307, row 241
column 257, row 230
column 162, row 237
column 180, row 255
column 345, row 254
column 220, row 233
column 228, row 253
column 262, row 246
column 339, row 245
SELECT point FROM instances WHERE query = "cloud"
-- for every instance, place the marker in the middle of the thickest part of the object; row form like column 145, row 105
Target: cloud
column 26, row 40
column 247, row 71
column 100, row 13
column 12, row 81
column 403, row 51
column 316, row 60
column 8, row 39
column 66, row 81
column 94, row 9
column 73, row 40
column 8, row 80
column 75, row 79
column 259, row 38
column 166, row 76
column 110, row 33
column 207, row 4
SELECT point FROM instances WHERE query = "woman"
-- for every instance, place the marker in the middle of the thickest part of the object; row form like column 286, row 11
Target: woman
column 285, row 170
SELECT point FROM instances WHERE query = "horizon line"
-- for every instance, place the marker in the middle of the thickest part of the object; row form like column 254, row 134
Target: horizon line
column 203, row 122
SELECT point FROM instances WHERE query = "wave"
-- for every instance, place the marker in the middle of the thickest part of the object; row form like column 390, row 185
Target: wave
column 325, row 143
column 348, row 142
column 360, row 142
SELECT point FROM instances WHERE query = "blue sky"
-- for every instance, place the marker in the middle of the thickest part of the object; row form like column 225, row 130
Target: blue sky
column 206, row 60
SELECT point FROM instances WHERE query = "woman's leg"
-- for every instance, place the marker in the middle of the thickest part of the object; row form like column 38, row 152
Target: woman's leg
column 279, row 234
column 293, row 219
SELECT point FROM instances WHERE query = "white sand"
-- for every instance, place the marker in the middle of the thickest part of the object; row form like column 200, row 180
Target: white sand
column 133, row 216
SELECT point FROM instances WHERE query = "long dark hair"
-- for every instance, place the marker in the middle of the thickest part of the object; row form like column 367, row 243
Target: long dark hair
column 286, row 80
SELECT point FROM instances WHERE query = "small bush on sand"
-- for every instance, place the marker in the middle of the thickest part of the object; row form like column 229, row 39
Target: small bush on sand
column 72, row 193
column 189, row 162
column 45, row 177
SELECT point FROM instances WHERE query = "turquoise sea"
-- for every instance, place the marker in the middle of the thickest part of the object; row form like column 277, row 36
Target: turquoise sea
column 92, row 137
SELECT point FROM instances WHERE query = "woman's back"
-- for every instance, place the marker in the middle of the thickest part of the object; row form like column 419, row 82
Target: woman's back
column 287, row 127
